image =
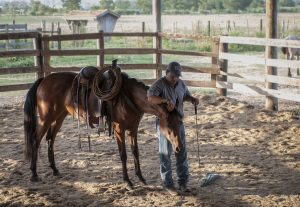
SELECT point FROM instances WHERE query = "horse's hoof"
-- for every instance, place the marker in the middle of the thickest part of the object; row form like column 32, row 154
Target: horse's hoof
column 56, row 173
column 35, row 179
column 144, row 182
column 129, row 185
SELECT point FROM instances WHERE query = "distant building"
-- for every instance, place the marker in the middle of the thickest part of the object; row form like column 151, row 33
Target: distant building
column 106, row 20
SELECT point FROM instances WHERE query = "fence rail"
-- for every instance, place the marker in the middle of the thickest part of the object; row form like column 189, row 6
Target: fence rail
column 43, row 54
column 282, row 64
column 218, row 69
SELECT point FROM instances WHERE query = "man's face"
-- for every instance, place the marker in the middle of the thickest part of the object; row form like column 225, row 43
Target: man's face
column 172, row 78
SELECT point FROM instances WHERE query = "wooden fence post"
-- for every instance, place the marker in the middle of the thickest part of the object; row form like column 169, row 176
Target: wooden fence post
column 223, row 68
column 208, row 28
column 214, row 61
column 7, row 41
column 52, row 32
column 46, row 60
column 158, row 56
column 100, row 46
column 271, row 52
column 38, row 60
column 43, row 25
column 157, row 43
column 143, row 27
column 59, row 33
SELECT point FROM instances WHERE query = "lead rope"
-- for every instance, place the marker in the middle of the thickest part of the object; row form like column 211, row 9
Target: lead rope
column 197, row 135
column 78, row 117
column 87, row 114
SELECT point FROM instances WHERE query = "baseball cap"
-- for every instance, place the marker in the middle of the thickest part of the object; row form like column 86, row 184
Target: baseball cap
column 174, row 68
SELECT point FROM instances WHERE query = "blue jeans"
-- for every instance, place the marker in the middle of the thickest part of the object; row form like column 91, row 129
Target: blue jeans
column 165, row 151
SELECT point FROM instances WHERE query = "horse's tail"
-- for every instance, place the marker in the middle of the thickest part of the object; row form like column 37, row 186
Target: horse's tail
column 30, row 121
column 284, row 50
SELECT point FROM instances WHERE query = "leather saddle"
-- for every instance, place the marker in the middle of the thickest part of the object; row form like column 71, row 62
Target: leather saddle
column 85, row 97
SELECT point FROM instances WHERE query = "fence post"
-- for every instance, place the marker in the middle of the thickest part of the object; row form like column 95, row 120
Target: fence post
column 52, row 30
column 158, row 55
column 100, row 46
column 43, row 25
column 271, row 52
column 46, row 58
column 59, row 33
column 7, row 41
column 214, row 61
column 208, row 28
column 228, row 26
column 38, row 60
column 283, row 28
column 157, row 58
column 223, row 64
column 143, row 27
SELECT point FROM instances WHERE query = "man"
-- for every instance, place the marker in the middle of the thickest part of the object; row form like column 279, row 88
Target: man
column 171, row 90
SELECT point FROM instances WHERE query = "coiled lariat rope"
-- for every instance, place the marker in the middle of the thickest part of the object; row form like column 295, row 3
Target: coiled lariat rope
column 109, row 94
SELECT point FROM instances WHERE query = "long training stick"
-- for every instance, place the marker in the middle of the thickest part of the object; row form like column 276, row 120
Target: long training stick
column 197, row 134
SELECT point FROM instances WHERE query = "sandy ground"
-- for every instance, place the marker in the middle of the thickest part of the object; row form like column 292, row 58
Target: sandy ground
column 256, row 152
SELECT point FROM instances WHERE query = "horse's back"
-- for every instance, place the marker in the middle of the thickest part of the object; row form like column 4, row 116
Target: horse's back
column 54, row 92
column 293, row 37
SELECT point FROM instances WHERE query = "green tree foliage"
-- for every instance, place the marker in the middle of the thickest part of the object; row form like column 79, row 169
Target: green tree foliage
column 69, row 5
column 145, row 6
column 235, row 5
column 39, row 9
column 15, row 7
column 107, row 4
column 122, row 4
column 214, row 6
column 287, row 3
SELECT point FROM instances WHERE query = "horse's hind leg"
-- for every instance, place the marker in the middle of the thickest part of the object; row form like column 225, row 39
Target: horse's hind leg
column 41, row 131
column 135, row 152
column 50, row 137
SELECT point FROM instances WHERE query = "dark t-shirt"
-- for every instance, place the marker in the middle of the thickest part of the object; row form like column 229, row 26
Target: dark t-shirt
column 176, row 94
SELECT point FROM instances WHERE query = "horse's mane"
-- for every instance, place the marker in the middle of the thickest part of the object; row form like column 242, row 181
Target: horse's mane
column 134, row 81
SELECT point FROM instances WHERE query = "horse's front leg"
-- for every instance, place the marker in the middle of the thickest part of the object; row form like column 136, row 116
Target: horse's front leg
column 291, row 57
column 120, row 136
column 135, row 151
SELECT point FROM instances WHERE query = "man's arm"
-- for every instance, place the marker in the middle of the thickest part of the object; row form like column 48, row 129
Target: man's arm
column 157, row 100
column 160, row 100
column 192, row 99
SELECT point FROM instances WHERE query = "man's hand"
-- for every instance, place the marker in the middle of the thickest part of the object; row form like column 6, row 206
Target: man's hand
column 170, row 105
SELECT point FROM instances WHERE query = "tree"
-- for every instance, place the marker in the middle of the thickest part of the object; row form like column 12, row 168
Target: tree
column 122, row 4
column 71, row 4
column 287, row 3
column 257, row 4
column 235, row 5
column 145, row 6
column 107, row 4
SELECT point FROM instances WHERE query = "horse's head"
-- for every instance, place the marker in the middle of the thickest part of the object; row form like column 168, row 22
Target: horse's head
column 170, row 127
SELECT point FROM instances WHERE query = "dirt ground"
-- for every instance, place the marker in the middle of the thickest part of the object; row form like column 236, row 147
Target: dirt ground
column 256, row 153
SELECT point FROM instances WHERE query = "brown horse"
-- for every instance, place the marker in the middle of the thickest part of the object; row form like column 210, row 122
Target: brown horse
column 50, row 100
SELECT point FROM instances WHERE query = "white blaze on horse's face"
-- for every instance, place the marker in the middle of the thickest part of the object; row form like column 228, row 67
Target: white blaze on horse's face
column 169, row 127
